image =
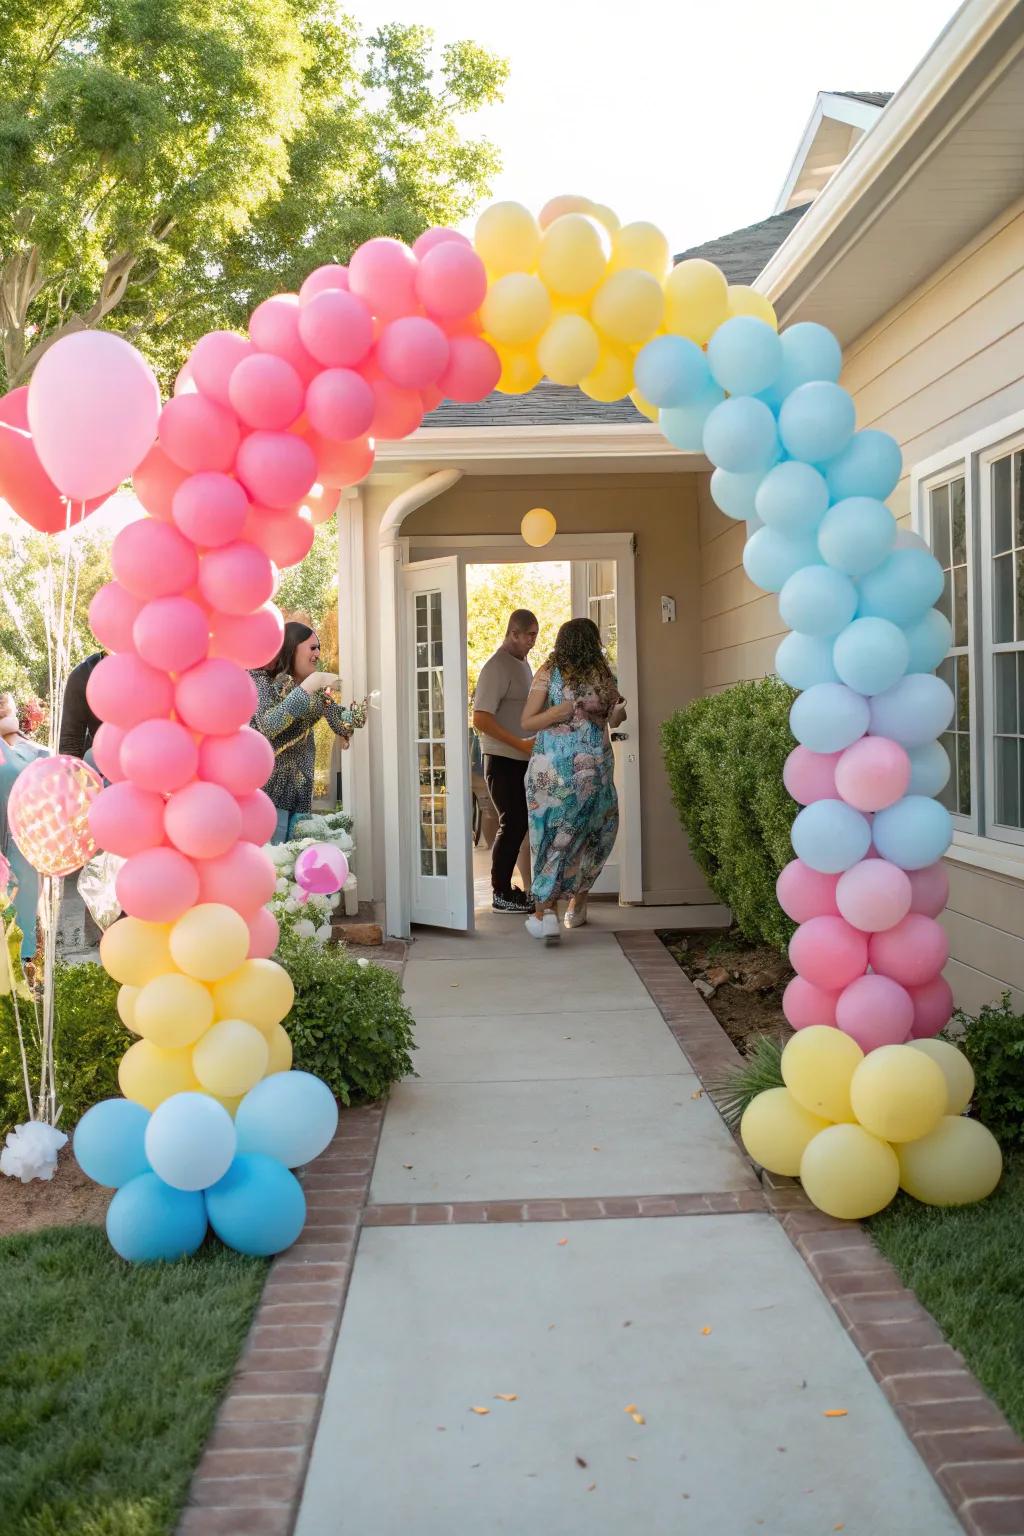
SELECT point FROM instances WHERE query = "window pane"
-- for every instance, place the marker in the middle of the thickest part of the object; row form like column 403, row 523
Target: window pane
column 945, row 602
column 1006, row 693
column 960, row 605
column 1002, row 599
column 940, row 523
column 1018, row 499
column 947, row 795
column 441, row 860
column 1018, row 562
column 1007, row 782
column 963, row 694
column 1002, row 523
column 958, row 521
column 963, row 753
column 426, row 862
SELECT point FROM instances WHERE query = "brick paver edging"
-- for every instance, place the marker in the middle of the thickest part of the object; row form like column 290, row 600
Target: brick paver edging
column 963, row 1438
column 573, row 1208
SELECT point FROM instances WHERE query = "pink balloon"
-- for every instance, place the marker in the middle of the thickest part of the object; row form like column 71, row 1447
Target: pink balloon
column 321, row 504
column 321, row 869
column 106, row 751
column 804, row 892
column 286, row 540
column 203, row 820
column 28, row 489
column 266, row 391
column 184, row 383
column 929, row 889
column 276, row 468
column 342, row 464
column 125, row 819
column 158, row 886
column 473, row 371
column 382, row 272
column 875, row 1011
column 337, row 328
column 805, row 1004
column 124, row 690
column 215, row 698
column 274, row 327
column 172, row 634
column 259, row 818
column 451, row 281
column 321, row 280
column 197, row 433
column 159, row 755
column 873, row 895
column 242, row 878
column 412, row 352
column 112, row 613
column 933, row 1007
column 828, row 952
column 263, row 934
column 340, row 404
column 913, row 952
column 236, row 579
column 210, row 509
column 251, row 639
column 214, row 359
column 439, row 235
column 810, row 776
column 397, row 411
column 155, row 482
column 873, row 773
column 48, row 813
column 93, row 404
column 152, row 559
column 241, row 762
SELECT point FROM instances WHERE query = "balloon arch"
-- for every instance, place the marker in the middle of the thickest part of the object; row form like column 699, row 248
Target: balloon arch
column 235, row 471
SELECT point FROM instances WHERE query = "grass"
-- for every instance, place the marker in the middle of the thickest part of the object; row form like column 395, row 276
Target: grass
column 110, row 1381
column 967, row 1267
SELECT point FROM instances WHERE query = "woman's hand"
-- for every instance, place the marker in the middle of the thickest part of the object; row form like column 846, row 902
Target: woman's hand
column 565, row 712
column 318, row 682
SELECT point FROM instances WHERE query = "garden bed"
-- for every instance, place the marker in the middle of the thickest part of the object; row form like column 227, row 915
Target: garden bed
column 742, row 983
column 69, row 1199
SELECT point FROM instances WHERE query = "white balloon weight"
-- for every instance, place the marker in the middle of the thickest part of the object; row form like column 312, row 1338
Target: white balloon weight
column 291, row 1117
column 190, row 1141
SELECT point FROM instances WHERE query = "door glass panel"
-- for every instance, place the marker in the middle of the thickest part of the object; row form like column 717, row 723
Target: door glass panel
column 939, row 499
column 1002, row 599
column 430, row 738
column 1006, row 693
column 1007, row 782
column 1002, row 510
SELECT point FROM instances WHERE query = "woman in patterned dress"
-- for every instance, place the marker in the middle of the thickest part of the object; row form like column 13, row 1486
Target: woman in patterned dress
column 570, row 788
column 293, row 695
column 17, row 751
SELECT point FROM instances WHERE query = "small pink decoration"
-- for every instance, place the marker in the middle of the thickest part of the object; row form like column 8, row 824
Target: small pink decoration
column 321, row 869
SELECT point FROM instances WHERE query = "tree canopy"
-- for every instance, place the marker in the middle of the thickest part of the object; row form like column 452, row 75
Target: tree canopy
column 493, row 592
column 167, row 164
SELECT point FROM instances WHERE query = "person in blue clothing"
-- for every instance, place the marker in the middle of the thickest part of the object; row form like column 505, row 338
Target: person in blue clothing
column 16, row 752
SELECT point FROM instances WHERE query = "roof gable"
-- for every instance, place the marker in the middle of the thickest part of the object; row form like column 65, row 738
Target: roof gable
column 839, row 121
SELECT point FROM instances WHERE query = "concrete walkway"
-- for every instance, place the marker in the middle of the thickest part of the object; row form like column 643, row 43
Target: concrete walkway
column 666, row 1375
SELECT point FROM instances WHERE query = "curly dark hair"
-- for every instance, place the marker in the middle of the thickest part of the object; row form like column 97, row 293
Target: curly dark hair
column 579, row 656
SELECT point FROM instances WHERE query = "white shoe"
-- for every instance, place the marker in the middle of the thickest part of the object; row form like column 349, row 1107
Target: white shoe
column 576, row 917
column 535, row 927
column 545, row 927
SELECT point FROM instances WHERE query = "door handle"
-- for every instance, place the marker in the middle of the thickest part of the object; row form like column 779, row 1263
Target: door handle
column 620, row 735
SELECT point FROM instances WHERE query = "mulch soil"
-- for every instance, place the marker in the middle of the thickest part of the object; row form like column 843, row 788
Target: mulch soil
column 69, row 1199
column 742, row 983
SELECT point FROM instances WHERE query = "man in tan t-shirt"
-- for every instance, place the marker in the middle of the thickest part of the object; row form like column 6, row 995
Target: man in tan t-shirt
column 497, row 714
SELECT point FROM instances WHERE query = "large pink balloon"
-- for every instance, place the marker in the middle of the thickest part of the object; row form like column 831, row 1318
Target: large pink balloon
column 875, row 1011
column 236, row 579
column 929, row 888
column 93, row 405
column 440, row 234
column 274, row 327
column 203, row 820
column 157, row 886
column 805, row 1004
column 259, row 818
column 215, row 698
column 873, row 895
column 804, row 892
column 106, row 751
column 48, row 813
column 214, row 359
column 172, row 633
column 210, row 509
column 873, row 773
column 382, row 272
column 285, row 540
column 933, row 1008
column 243, row 878
column 321, row 279
column 152, row 559
column 340, row 404
column 155, row 482
column 266, row 391
column 397, row 411
column 112, row 613
column 412, row 352
column 276, row 468
column 198, row 434
column 241, row 762
column 451, row 281
column 125, row 819
column 251, row 639
column 263, row 934
column 342, row 464
column 124, row 690
column 159, row 755
column 473, row 371
column 913, row 952
column 810, row 776
column 828, row 952
column 337, row 328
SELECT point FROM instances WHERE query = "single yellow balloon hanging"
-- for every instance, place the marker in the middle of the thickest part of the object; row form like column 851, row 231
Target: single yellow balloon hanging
column 538, row 527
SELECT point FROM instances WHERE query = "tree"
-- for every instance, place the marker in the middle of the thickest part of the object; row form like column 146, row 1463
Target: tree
column 30, row 565
column 495, row 591
column 167, row 164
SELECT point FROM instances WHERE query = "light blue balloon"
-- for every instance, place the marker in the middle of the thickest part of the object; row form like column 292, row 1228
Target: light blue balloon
column 745, row 355
column 148, row 1221
column 870, row 655
column 829, row 717
column 735, row 494
column 914, row 711
column 804, row 660
column 816, row 421
column 869, row 465
column 770, row 559
column 830, row 836
column 913, row 833
column 258, row 1206
column 740, row 436
column 856, row 535
column 809, row 351
column 190, row 1140
column 929, row 641
column 672, row 371
column 290, row 1116
column 902, row 588
column 109, row 1142
column 818, row 600
column 792, row 498
column 930, row 768
column 683, row 425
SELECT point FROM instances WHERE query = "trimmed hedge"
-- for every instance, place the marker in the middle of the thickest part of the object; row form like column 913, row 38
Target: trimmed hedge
column 724, row 755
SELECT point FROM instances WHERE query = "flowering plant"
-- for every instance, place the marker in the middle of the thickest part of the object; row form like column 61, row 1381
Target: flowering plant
column 303, row 915
column 31, row 715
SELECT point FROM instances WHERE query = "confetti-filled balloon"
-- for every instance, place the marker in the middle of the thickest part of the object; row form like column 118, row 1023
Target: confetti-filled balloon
column 48, row 812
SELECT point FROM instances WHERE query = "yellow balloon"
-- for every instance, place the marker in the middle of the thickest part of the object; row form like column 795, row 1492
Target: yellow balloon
column 259, row 991
column 817, row 1067
column 605, row 215
column 516, row 310
column 612, row 379
column 568, row 349
column 148, row 1075
column 848, row 1173
column 126, row 1007
column 640, row 245
column 173, row 1011
column 747, row 301
column 956, row 1069
column 280, row 1044
column 230, row 1104
column 955, row 1164
column 507, row 239
column 628, row 307
column 567, row 203
column 230, row 1057
column 644, row 406
column 573, row 255
column 134, row 952
column 210, row 941
column 898, row 1094
column 696, row 300
column 538, row 527
column 775, row 1130
column 520, row 371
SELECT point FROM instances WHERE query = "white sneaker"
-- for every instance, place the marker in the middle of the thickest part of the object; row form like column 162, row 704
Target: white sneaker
column 545, row 927
column 535, row 927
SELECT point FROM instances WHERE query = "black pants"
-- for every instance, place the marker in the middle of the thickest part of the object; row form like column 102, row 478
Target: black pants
column 505, row 778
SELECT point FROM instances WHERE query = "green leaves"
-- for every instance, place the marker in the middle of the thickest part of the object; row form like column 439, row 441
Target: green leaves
column 89, row 1041
column 993, row 1043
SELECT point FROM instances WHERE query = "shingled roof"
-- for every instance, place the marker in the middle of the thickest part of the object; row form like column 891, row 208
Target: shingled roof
column 870, row 98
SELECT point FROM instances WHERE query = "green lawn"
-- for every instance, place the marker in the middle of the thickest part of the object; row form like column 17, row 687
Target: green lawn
column 110, row 1379
column 967, row 1267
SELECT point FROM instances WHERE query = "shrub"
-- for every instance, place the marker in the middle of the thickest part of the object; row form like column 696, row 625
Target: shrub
column 993, row 1043
column 348, row 1024
column 761, row 1069
column 88, row 1043
column 724, row 755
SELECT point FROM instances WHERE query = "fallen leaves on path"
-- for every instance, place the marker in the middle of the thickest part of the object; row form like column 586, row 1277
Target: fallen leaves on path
column 632, row 1458
column 705, row 1332
column 836, row 1413
column 477, row 1409
column 580, row 1461
column 698, row 1095
column 507, row 1397
column 634, row 1413
column 562, row 1242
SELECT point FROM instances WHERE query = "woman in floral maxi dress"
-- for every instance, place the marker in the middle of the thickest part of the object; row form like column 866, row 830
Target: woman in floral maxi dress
column 570, row 788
